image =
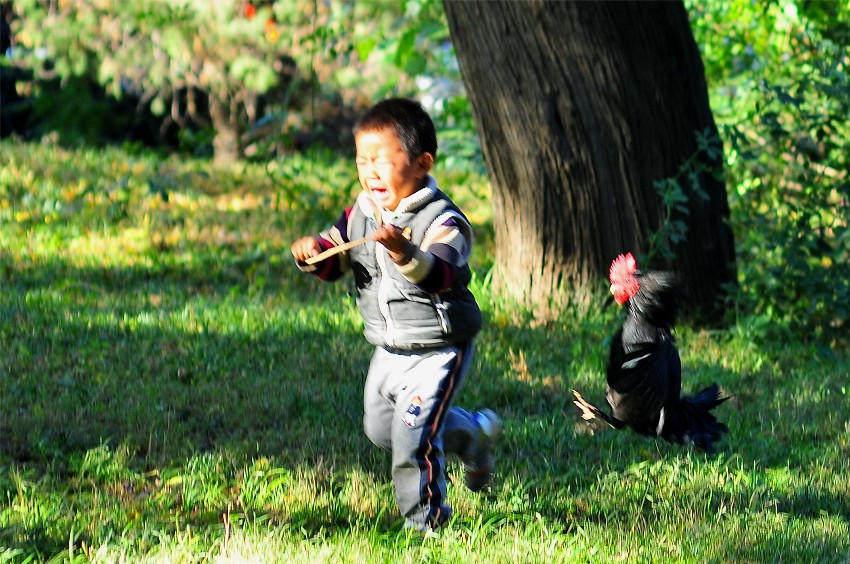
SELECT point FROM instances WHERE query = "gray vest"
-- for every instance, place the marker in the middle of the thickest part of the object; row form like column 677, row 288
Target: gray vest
column 397, row 314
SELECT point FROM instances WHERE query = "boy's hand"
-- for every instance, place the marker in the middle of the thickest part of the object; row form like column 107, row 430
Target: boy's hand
column 391, row 237
column 304, row 248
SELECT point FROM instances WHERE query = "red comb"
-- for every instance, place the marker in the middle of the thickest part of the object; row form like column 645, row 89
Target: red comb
column 624, row 285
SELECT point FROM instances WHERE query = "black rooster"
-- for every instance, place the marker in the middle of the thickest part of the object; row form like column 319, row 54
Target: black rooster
column 644, row 372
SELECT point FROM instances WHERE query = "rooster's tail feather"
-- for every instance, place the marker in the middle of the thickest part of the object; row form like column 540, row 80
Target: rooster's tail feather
column 696, row 422
column 590, row 411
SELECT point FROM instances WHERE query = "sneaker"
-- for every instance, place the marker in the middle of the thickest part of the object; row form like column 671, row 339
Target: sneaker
column 480, row 466
column 431, row 526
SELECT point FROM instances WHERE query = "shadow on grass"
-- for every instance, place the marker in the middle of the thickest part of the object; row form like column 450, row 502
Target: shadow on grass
column 241, row 359
column 192, row 370
column 174, row 362
column 173, row 359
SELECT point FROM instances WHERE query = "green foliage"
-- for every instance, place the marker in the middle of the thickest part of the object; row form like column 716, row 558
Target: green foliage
column 179, row 58
column 674, row 196
column 173, row 389
column 405, row 50
column 778, row 74
column 440, row 83
column 76, row 112
column 278, row 73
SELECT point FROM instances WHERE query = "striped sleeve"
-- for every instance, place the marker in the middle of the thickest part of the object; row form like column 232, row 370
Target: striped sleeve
column 444, row 250
column 332, row 268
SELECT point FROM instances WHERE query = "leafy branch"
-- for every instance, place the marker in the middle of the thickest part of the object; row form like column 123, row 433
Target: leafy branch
column 675, row 195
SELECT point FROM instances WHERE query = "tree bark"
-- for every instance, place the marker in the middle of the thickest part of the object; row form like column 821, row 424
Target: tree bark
column 580, row 108
column 227, row 146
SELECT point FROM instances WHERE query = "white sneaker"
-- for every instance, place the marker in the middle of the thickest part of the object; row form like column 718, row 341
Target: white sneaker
column 480, row 467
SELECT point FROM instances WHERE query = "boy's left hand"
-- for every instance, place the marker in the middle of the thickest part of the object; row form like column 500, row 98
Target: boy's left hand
column 397, row 244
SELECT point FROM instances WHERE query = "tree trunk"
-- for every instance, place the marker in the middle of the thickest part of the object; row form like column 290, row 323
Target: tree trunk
column 227, row 148
column 581, row 107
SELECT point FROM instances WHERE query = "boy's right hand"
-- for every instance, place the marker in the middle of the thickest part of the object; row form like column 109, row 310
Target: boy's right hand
column 304, row 248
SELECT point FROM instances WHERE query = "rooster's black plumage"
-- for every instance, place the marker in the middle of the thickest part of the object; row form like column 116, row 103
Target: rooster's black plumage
column 644, row 372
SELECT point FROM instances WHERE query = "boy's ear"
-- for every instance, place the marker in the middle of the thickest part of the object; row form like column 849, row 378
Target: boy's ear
column 426, row 162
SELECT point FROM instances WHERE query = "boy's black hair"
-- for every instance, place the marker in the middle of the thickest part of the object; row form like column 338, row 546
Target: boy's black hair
column 407, row 119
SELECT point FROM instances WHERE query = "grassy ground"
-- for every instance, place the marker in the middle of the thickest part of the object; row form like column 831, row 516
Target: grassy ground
column 173, row 389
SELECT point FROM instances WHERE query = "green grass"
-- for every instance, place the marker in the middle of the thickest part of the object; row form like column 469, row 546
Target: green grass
column 173, row 389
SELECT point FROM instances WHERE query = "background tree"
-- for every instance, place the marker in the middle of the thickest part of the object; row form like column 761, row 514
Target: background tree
column 587, row 112
column 260, row 73
column 193, row 62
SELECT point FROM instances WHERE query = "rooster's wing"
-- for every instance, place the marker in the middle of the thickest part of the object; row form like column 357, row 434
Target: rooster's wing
column 643, row 382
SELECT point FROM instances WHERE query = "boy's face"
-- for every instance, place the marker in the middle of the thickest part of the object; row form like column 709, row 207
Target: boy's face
column 384, row 170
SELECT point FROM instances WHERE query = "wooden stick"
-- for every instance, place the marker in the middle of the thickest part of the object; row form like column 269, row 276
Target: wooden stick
column 338, row 249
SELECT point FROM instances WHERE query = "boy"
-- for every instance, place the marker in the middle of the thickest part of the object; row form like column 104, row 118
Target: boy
column 411, row 275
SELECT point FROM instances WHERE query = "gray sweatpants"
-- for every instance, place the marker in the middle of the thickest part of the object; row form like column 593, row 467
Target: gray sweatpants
column 408, row 411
